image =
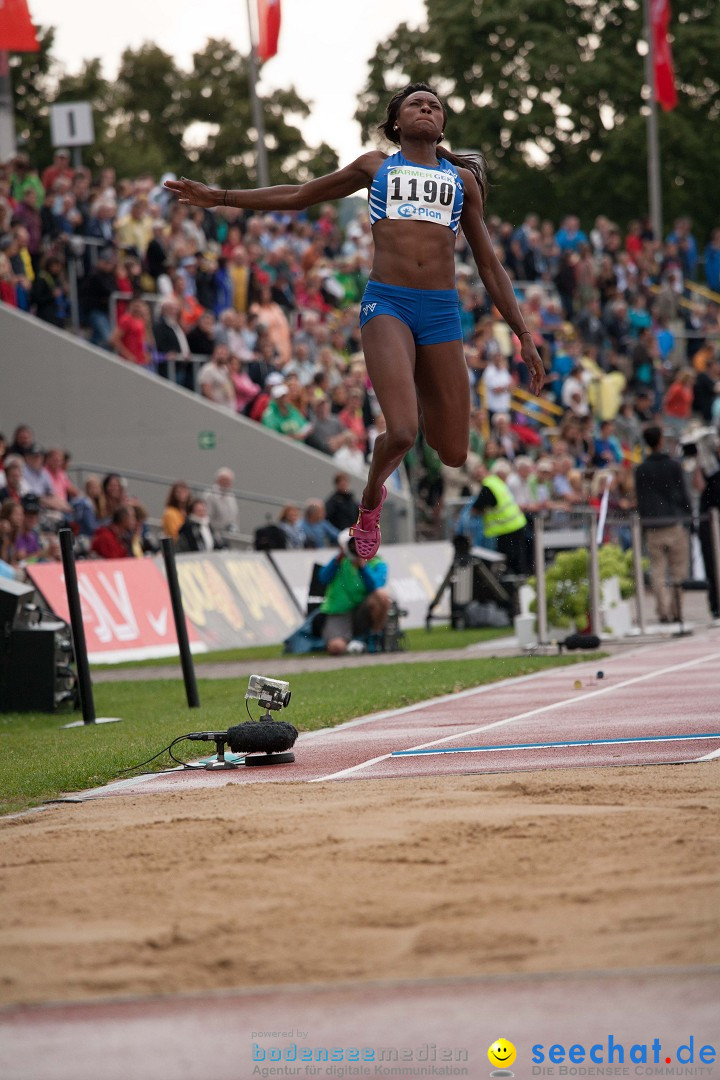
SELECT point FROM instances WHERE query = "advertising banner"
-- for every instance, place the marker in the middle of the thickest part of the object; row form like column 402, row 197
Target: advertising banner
column 126, row 607
column 234, row 599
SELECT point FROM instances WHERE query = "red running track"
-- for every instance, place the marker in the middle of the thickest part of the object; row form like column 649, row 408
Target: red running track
column 655, row 704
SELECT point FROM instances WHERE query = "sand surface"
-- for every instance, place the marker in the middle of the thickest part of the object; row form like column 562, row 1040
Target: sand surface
column 293, row 883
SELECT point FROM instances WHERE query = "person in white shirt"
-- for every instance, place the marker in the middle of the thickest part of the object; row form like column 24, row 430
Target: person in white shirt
column 497, row 381
column 221, row 503
column 214, row 379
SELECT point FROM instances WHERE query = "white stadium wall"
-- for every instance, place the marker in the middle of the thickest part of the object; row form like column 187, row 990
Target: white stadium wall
column 116, row 417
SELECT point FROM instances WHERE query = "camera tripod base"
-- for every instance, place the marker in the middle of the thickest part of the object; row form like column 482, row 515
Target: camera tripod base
column 270, row 759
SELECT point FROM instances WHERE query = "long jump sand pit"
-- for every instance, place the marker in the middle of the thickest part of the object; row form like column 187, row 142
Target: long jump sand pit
column 261, row 884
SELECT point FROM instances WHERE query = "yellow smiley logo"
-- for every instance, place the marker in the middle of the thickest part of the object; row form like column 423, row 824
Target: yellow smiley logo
column 502, row 1053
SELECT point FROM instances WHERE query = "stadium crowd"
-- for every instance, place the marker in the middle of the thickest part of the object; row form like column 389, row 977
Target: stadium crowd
column 258, row 313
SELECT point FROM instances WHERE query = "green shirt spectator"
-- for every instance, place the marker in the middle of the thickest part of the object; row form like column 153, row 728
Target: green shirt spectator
column 283, row 417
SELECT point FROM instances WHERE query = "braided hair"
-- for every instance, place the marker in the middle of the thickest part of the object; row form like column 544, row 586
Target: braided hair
column 475, row 163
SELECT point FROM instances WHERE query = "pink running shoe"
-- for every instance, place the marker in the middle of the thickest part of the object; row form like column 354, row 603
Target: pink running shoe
column 366, row 531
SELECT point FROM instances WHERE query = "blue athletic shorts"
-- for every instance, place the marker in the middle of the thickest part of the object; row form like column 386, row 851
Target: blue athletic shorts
column 433, row 315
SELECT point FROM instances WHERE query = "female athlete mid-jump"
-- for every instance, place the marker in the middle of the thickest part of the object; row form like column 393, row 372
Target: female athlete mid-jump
column 409, row 314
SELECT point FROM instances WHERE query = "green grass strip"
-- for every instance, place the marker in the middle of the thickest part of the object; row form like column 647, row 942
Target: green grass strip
column 40, row 761
column 418, row 640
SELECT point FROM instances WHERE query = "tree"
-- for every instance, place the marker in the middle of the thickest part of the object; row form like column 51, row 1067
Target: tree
column 552, row 93
column 157, row 118
column 32, row 85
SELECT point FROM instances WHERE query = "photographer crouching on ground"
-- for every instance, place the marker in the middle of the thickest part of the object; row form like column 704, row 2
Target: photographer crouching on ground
column 356, row 603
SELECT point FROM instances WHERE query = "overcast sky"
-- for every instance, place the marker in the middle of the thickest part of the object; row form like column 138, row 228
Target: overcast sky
column 325, row 45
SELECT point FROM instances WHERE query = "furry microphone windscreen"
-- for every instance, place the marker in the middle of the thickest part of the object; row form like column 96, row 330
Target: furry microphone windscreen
column 582, row 641
column 267, row 736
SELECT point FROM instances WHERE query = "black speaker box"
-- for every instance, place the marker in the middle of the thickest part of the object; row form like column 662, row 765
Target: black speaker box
column 12, row 595
column 29, row 660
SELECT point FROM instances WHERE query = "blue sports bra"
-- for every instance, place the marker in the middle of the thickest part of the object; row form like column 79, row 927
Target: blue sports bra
column 405, row 191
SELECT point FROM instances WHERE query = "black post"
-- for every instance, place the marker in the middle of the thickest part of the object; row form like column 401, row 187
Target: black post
column 188, row 668
column 76, row 625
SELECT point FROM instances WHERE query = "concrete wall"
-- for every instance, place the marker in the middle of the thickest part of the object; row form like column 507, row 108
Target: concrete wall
column 116, row 417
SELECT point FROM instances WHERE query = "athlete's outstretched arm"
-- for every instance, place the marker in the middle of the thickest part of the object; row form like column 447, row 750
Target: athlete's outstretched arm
column 495, row 279
column 335, row 185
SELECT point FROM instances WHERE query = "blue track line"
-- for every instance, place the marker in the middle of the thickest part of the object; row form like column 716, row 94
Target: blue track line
column 549, row 745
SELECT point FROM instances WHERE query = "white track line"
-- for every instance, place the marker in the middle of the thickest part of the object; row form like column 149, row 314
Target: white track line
column 519, row 716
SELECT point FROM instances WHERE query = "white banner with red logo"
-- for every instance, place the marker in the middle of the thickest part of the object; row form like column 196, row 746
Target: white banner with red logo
column 125, row 604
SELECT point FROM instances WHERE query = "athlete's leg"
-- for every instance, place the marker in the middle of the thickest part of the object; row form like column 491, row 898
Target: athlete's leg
column 389, row 351
column 443, row 389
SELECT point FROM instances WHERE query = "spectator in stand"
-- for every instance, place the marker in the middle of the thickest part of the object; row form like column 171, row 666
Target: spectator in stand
column 712, row 261
column 49, row 292
column 28, row 544
column 24, row 176
column 341, row 508
column 240, row 276
column 608, row 451
column 134, row 231
column 570, row 236
column 201, row 338
column 11, row 522
column 28, row 215
column 497, row 381
column 274, row 319
column 246, row 391
column 172, row 344
column 290, row 522
column 37, row 479
column 574, row 396
column 664, row 337
column 113, row 541
column 284, row 418
column 214, row 379
column 317, row 530
column 351, row 417
column 196, row 532
column 503, row 434
column 663, row 504
column 21, row 264
column 327, row 433
column 222, row 505
column 704, row 390
column 8, row 288
column 130, row 338
column 683, row 238
column 100, row 225
column 14, row 487
column 176, row 508
column 114, row 495
column 678, row 401
column 96, row 290
column 627, row 426
column 156, row 255
column 60, row 168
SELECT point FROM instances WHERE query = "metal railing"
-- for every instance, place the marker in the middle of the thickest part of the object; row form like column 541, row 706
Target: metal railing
column 545, row 540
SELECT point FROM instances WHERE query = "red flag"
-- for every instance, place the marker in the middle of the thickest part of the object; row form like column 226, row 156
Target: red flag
column 268, row 27
column 17, row 33
column 665, row 93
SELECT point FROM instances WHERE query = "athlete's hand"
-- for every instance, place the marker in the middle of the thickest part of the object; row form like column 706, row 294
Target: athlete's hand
column 194, row 193
column 534, row 364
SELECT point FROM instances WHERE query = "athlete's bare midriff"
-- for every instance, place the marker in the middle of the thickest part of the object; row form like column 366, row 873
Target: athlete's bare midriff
column 414, row 254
